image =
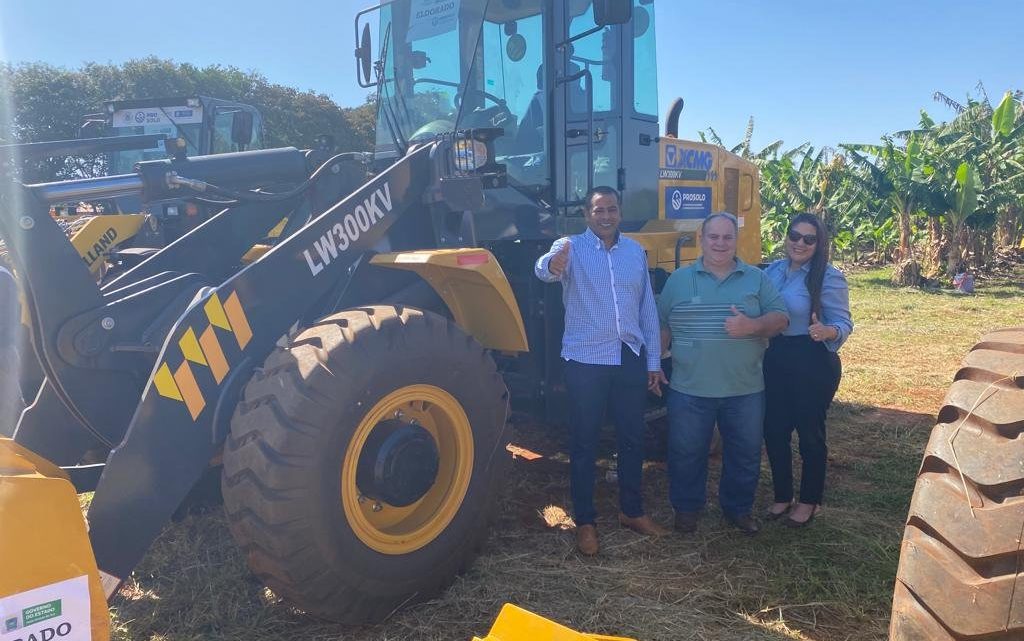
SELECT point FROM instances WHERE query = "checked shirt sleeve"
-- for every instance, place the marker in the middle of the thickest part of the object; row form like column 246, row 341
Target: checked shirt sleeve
column 650, row 325
column 541, row 267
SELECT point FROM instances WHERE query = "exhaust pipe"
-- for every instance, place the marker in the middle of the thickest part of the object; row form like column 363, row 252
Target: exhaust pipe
column 672, row 120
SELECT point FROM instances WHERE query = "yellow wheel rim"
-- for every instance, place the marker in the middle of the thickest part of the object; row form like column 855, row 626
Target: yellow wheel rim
column 402, row 530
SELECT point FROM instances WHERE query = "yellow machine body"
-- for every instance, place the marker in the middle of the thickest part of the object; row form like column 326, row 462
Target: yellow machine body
column 476, row 290
column 696, row 179
column 516, row 624
column 100, row 234
column 49, row 585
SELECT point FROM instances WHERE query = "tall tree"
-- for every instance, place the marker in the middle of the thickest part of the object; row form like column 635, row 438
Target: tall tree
column 47, row 103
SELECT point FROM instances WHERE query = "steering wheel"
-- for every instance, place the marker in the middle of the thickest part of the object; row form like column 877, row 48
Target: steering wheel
column 497, row 115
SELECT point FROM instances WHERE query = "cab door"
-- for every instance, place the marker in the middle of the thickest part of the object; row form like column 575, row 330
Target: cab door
column 595, row 59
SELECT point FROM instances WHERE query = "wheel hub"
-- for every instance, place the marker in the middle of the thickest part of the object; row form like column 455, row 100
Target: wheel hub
column 398, row 464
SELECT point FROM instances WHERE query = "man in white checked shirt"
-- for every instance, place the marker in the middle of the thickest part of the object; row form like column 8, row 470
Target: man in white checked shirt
column 612, row 354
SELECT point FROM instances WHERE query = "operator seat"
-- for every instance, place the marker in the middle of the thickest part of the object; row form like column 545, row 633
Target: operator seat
column 530, row 136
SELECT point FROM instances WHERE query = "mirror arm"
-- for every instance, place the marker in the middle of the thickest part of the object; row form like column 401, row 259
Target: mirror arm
column 573, row 39
column 355, row 23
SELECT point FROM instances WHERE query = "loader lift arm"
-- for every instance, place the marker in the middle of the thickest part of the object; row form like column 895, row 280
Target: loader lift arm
column 159, row 450
column 175, row 431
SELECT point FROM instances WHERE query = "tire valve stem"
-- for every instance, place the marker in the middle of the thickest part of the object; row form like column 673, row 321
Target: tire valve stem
column 398, row 414
column 377, row 507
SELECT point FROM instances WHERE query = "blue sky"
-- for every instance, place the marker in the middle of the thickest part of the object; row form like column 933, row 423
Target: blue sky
column 826, row 71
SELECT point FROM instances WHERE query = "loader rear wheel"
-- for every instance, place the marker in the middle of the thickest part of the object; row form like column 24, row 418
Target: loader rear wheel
column 364, row 460
column 960, row 574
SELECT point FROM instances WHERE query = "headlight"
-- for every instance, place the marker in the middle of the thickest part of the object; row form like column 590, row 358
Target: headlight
column 470, row 155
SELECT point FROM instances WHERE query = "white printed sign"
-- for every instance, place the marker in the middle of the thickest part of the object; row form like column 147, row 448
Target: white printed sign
column 180, row 115
column 55, row 612
column 429, row 18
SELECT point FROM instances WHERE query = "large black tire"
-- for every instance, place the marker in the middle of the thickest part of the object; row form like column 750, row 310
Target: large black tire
column 961, row 576
column 289, row 490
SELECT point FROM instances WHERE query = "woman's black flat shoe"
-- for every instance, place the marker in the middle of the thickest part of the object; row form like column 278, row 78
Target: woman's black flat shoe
column 796, row 524
column 775, row 516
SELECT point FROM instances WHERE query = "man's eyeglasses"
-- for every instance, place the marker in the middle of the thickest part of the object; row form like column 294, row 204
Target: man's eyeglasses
column 809, row 239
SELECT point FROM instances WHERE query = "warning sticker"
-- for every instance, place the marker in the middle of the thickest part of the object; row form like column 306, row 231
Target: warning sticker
column 55, row 611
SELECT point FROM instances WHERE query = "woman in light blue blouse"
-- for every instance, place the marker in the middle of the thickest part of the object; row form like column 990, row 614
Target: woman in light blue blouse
column 802, row 367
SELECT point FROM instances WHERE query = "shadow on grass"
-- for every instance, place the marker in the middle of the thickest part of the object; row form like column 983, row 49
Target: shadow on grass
column 821, row 582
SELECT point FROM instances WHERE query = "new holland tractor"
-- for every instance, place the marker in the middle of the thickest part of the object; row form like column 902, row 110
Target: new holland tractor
column 354, row 375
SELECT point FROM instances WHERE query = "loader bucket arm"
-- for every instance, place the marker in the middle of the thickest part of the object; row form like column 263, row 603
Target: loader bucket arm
column 57, row 286
column 213, row 348
column 88, row 340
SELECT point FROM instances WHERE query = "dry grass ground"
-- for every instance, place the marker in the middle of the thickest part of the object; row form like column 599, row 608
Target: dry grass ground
column 829, row 582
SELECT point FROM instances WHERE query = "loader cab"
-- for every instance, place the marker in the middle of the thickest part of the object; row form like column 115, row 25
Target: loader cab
column 207, row 125
column 203, row 125
column 573, row 85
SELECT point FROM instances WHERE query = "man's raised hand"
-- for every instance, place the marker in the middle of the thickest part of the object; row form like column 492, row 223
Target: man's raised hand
column 560, row 261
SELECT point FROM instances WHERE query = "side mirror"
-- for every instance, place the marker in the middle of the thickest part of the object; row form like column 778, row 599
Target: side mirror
column 609, row 12
column 364, row 56
column 241, row 128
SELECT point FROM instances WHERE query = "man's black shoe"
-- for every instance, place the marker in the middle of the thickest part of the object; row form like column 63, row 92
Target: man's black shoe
column 744, row 523
column 686, row 522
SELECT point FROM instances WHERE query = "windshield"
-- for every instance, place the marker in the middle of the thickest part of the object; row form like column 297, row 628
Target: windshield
column 174, row 122
column 461, row 64
column 458, row 64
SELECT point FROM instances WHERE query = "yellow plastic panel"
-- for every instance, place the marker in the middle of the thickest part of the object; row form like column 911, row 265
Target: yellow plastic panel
column 43, row 542
column 517, row 624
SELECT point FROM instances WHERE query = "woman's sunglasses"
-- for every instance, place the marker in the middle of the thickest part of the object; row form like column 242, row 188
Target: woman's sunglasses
column 809, row 239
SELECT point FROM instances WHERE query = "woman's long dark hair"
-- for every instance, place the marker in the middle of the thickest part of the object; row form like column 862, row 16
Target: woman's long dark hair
column 819, row 261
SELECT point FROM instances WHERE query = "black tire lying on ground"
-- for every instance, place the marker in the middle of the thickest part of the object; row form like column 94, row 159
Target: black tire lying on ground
column 309, row 445
column 961, row 574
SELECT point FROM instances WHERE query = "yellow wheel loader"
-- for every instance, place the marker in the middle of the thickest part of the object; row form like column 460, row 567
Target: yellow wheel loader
column 350, row 380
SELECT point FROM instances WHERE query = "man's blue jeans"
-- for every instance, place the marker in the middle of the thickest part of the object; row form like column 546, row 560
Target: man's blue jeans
column 623, row 390
column 691, row 424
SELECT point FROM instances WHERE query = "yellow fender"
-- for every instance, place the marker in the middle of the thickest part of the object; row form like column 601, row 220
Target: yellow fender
column 102, row 233
column 516, row 624
column 49, row 584
column 473, row 285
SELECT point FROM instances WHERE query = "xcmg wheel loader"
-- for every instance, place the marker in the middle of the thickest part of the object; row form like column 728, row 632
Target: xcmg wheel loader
column 353, row 376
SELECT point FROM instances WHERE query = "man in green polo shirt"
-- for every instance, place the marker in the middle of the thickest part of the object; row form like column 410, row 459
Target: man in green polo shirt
column 719, row 313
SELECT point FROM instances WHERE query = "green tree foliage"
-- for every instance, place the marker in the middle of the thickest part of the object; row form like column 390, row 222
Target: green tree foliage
column 958, row 184
column 47, row 103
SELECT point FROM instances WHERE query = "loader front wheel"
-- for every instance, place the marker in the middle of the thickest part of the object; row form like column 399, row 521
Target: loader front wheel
column 960, row 572
column 364, row 460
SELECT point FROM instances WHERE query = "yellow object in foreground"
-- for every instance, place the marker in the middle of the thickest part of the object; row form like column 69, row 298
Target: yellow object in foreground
column 516, row 624
column 49, row 585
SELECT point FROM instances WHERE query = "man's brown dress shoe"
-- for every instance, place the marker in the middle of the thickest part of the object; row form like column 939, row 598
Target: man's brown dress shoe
column 586, row 540
column 642, row 524
column 744, row 523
